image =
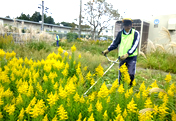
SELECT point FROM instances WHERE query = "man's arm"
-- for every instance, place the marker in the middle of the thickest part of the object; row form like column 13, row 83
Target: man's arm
column 135, row 43
column 115, row 42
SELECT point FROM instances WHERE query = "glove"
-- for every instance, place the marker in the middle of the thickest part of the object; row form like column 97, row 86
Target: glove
column 105, row 52
column 123, row 57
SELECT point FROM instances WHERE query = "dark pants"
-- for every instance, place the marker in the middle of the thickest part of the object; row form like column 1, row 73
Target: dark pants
column 131, row 65
column 57, row 43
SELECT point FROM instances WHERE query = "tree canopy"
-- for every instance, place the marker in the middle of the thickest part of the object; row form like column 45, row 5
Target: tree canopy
column 98, row 14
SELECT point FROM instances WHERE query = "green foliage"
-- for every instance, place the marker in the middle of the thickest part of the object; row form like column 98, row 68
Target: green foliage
column 39, row 45
column 6, row 41
column 24, row 17
column 71, row 36
column 159, row 60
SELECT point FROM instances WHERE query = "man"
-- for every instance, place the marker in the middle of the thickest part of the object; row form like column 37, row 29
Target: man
column 57, row 40
column 128, row 39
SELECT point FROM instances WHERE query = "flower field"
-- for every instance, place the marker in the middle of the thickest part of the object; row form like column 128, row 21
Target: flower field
column 52, row 89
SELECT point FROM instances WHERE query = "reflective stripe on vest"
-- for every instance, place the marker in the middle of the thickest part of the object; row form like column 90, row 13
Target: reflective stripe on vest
column 57, row 37
column 126, row 43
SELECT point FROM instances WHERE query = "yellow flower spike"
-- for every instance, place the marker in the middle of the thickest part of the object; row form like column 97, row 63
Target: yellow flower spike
column 79, row 56
column 168, row 78
column 73, row 48
column 127, row 94
column 79, row 117
column 60, row 50
column 91, row 118
column 76, row 97
column 108, row 100
column 45, row 118
column 55, row 118
column 99, row 106
column 134, row 82
column 131, row 106
column 119, row 118
column 21, row 115
column 125, row 113
column 105, row 116
column 90, row 109
column 148, row 103
column 118, row 109
column 99, row 70
column 85, row 68
column 121, row 89
column 66, row 54
column 85, row 119
column 142, row 87
column 82, row 100
column 1, row 116
column 104, row 92
column 62, row 113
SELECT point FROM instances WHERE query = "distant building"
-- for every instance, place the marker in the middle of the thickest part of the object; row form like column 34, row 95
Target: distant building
column 37, row 26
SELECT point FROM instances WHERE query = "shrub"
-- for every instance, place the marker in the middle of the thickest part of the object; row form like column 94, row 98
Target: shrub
column 39, row 45
column 5, row 40
column 71, row 36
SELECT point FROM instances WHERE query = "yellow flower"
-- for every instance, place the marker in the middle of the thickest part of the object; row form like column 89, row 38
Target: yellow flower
column 142, row 87
column 10, row 109
column 19, row 99
column 73, row 48
column 121, row 89
column 173, row 115
column 92, row 97
column 131, row 106
column 148, row 103
column 45, row 118
column 21, row 114
column 170, row 92
column 99, row 70
column 66, row 53
column 105, row 116
column 114, row 86
column 62, row 113
column 60, row 50
column 90, row 108
column 76, row 97
column 119, row 118
column 1, row 116
column 79, row 117
column 127, row 94
column 104, row 92
column 82, row 100
column 125, row 113
column 168, row 78
column 88, row 76
column 52, row 99
column 62, row 92
column 65, row 72
column 91, row 118
column 92, row 81
column 79, row 56
column 154, row 84
column 55, row 118
column 162, row 110
column 118, row 109
column 108, row 100
column 99, row 106
column 85, row 68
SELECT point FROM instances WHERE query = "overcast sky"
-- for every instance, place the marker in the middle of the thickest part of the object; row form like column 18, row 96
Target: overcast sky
column 68, row 10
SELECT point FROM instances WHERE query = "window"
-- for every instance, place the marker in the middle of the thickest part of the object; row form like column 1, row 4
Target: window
column 65, row 32
column 155, row 25
column 47, row 30
column 59, row 31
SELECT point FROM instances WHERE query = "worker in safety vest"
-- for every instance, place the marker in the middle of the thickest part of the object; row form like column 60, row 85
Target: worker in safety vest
column 57, row 40
column 128, row 39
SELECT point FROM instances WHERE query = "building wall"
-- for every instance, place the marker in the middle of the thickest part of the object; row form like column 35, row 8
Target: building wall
column 155, row 33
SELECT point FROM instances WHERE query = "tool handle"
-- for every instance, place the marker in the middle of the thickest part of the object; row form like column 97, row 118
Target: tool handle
column 104, row 54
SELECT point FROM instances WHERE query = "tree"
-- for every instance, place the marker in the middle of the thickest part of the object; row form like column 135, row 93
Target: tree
column 36, row 17
column 7, row 16
column 98, row 13
column 49, row 20
column 24, row 17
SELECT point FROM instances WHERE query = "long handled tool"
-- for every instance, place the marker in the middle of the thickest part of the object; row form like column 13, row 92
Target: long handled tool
column 113, row 62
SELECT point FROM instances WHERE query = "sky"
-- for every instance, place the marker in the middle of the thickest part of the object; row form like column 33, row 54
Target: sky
column 68, row 10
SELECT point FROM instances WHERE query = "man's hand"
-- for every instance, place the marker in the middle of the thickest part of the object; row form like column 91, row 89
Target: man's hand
column 123, row 57
column 105, row 52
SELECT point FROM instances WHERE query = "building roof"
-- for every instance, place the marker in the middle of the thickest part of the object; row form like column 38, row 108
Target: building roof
column 134, row 21
column 32, row 22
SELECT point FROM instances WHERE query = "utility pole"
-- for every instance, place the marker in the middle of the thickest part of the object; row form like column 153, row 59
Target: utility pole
column 42, row 15
column 80, row 19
